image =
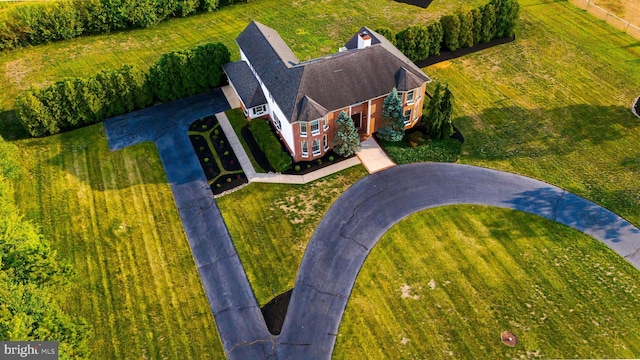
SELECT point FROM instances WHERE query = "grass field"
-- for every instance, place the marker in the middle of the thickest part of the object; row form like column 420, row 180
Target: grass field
column 553, row 105
column 446, row 282
column 311, row 28
column 270, row 225
column 113, row 217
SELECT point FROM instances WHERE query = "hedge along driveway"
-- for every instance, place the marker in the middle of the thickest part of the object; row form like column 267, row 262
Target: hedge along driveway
column 311, row 29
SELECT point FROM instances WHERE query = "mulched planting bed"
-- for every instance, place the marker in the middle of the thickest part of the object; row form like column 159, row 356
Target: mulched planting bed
column 449, row 55
column 207, row 161
column 218, row 151
column 305, row 167
column 258, row 155
column 203, row 124
column 228, row 182
column 225, row 152
column 275, row 310
column 313, row 165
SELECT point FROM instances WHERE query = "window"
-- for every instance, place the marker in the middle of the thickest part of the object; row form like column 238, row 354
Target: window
column 407, row 117
column 305, row 148
column 325, row 143
column 276, row 122
column 325, row 124
column 315, row 147
column 303, row 129
column 259, row 110
column 315, row 127
column 410, row 95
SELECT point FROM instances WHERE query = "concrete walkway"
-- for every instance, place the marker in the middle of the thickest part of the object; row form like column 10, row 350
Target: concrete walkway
column 253, row 176
column 373, row 157
column 356, row 221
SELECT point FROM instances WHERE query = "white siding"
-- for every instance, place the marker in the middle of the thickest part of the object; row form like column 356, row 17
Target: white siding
column 286, row 130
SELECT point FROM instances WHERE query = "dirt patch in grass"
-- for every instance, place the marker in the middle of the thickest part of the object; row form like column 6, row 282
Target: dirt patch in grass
column 17, row 70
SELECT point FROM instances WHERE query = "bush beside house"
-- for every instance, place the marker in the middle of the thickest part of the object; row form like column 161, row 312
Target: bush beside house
column 279, row 159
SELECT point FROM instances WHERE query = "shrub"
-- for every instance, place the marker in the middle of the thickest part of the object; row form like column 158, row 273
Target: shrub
column 184, row 73
column 71, row 103
column 331, row 158
column 319, row 161
column 392, row 115
column 451, row 28
column 296, row 168
column 206, row 160
column 36, row 23
column 74, row 102
column 415, row 138
column 226, row 153
column 347, row 140
column 229, row 180
column 270, row 145
column 388, row 34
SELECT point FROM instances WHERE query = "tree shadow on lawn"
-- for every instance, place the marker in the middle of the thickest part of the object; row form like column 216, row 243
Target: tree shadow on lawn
column 502, row 133
column 10, row 128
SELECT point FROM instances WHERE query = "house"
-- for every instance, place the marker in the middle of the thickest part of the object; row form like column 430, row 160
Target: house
column 304, row 99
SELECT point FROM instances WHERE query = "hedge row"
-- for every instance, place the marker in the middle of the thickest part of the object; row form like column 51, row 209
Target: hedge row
column 75, row 102
column 32, row 24
column 269, row 144
column 497, row 19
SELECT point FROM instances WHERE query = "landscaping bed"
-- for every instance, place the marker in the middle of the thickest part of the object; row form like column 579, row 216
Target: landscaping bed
column 299, row 168
column 417, row 147
column 219, row 163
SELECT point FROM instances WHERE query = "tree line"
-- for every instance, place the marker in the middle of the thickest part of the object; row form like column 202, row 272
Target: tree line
column 496, row 19
column 32, row 276
column 75, row 102
column 37, row 23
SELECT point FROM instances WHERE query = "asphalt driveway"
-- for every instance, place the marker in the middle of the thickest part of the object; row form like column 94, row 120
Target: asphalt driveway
column 345, row 236
column 356, row 221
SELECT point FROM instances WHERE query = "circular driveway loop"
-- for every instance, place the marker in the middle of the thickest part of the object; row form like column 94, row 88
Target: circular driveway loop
column 356, row 221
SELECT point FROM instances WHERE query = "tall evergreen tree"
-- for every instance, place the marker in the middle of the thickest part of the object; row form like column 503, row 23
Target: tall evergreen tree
column 488, row 22
column 347, row 139
column 439, row 112
column 392, row 116
column 451, row 28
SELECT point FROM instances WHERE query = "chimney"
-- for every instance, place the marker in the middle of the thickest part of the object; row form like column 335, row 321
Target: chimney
column 364, row 40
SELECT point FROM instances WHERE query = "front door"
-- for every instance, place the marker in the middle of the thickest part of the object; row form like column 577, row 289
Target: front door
column 357, row 121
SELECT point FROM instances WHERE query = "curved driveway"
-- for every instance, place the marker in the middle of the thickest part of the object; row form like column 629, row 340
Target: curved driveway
column 345, row 236
column 357, row 220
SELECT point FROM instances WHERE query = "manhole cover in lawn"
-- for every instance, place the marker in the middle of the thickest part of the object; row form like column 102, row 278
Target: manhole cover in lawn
column 509, row 338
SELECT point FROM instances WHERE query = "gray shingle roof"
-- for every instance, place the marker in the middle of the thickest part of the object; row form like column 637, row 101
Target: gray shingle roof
column 406, row 80
column 331, row 82
column 245, row 83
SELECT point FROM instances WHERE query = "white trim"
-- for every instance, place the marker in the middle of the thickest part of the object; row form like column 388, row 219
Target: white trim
column 313, row 151
column 317, row 131
column 305, row 133
column 302, row 150
column 404, row 117
column 325, row 142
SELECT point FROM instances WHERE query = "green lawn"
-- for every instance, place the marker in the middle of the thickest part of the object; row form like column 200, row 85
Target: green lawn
column 553, row 105
column 446, row 282
column 113, row 217
column 310, row 28
column 270, row 225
